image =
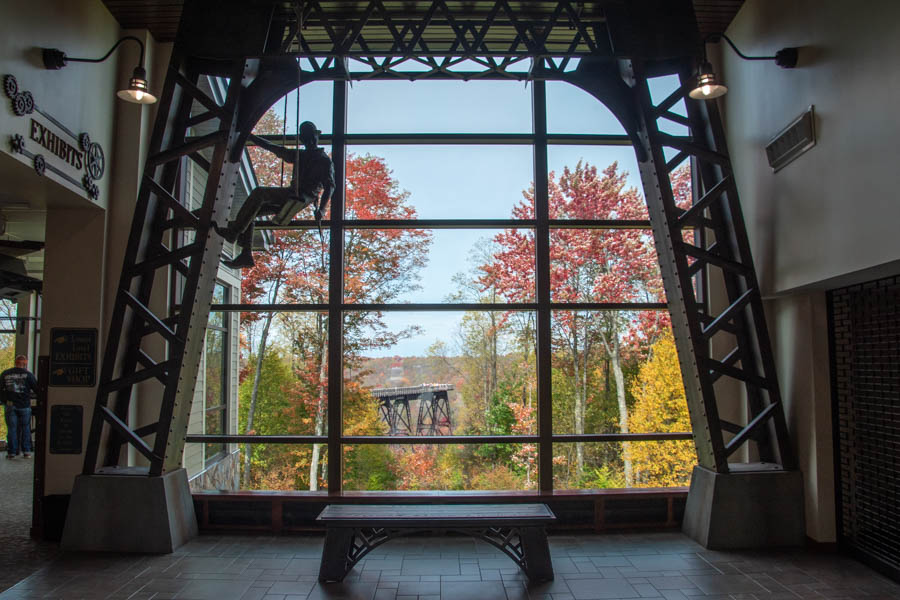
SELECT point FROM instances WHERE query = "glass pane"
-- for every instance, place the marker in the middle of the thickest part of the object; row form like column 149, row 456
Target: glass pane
column 439, row 107
column 604, row 465
column 461, row 373
column 660, row 89
column 437, row 182
column 220, row 471
column 572, row 110
column 441, row 467
column 315, row 105
column 591, row 265
column 283, row 467
column 220, row 296
column 443, row 265
column 595, row 182
column 292, row 269
column 599, row 359
column 214, row 424
column 291, row 395
column 8, row 325
column 215, row 368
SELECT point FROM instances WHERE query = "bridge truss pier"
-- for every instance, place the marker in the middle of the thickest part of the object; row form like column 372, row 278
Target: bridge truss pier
column 434, row 414
column 434, row 409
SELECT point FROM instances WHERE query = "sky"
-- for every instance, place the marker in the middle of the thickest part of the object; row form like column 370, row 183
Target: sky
column 456, row 181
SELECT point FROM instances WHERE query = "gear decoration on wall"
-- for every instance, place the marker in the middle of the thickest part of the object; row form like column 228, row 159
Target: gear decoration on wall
column 96, row 161
column 17, row 143
column 10, row 86
column 22, row 102
column 90, row 187
column 28, row 100
column 94, row 158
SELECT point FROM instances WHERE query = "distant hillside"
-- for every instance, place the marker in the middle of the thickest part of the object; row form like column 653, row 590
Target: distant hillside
column 409, row 370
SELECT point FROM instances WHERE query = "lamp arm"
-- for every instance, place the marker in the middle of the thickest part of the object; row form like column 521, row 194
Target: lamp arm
column 111, row 50
column 713, row 37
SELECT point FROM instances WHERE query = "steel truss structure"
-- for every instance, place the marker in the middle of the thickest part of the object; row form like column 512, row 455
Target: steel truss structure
column 434, row 409
column 162, row 347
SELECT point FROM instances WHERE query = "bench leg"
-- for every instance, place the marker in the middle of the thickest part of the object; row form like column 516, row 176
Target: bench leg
column 336, row 553
column 536, row 553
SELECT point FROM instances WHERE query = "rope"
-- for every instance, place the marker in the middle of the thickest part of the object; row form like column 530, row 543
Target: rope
column 299, row 10
column 283, row 140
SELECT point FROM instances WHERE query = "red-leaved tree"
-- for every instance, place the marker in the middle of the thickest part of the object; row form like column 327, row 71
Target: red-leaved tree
column 586, row 265
column 379, row 266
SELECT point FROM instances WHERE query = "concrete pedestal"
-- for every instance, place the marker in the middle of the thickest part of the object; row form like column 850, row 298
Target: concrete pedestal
column 130, row 513
column 754, row 506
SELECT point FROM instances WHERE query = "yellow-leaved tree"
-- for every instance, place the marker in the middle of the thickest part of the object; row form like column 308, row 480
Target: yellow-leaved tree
column 660, row 406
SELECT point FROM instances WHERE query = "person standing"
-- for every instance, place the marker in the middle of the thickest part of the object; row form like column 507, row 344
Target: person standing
column 16, row 386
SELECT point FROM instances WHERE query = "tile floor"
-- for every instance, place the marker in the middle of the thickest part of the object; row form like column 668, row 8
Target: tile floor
column 666, row 566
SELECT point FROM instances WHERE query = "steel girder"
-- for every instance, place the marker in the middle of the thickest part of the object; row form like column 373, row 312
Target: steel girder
column 439, row 38
column 702, row 247
column 158, row 244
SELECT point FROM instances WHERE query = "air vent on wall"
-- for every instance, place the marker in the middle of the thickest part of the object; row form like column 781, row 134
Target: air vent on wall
column 792, row 141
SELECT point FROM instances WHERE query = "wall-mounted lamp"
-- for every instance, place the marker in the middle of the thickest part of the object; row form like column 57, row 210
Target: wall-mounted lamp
column 709, row 87
column 138, row 91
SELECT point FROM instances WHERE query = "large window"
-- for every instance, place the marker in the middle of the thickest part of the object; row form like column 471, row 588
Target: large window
column 481, row 310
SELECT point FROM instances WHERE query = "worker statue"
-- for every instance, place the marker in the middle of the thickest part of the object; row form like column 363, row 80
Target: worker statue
column 312, row 183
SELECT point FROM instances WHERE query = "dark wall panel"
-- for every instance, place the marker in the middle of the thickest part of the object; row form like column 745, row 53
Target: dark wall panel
column 865, row 329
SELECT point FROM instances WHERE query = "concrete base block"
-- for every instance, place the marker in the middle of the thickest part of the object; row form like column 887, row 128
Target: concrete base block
column 746, row 508
column 128, row 513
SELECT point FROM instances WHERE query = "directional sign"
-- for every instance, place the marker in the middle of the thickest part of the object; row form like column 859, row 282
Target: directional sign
column 73, row 357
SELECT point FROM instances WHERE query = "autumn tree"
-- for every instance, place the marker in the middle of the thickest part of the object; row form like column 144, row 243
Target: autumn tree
column 660, row 406
column 380, row 265
column 266, row 282
column 585, row 266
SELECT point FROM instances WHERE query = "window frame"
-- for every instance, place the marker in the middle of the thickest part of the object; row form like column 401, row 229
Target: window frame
column 336, row 307
column 225, row 330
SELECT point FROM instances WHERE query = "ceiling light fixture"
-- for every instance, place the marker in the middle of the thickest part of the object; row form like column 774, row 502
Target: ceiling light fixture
column 709, row 87
column 138, row 91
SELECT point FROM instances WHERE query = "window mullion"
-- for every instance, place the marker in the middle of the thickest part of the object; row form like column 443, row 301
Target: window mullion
column 542, row 282
column 336, row 287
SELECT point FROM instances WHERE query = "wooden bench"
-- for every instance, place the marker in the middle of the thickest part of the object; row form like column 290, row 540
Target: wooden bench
column 354, row 530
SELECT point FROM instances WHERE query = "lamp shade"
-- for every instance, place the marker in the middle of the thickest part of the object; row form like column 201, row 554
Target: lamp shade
column 708, row 87
column 137, row 91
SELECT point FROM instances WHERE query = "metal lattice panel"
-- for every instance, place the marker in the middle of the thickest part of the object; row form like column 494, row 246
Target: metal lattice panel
column 161, row 17
column 157, row 245
column 691, row 241
column 866, row 372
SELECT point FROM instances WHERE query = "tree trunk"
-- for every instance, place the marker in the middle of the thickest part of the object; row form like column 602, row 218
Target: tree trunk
column 493, row 316
column 579, row 403
column 320, row 409
column 260, row 355
column 616, row 362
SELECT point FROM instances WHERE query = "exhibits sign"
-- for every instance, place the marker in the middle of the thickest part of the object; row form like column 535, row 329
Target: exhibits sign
column 73, row 357
column 54, row 150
